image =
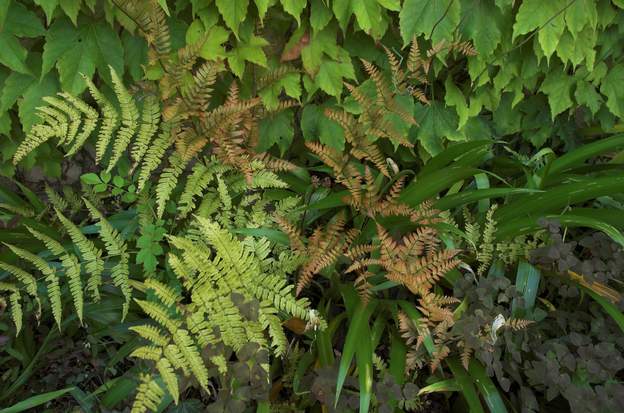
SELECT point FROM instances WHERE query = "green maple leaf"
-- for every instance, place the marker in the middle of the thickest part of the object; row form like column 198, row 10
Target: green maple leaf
column 557, row 86
column 331, row 75
column 233, row 12
column 437, row 122
column 481, row 24
column 12, row 53
column 586, row 94
column 547, row 16
column 276, row 129
column 149, row 246
column 579, row 14
column 22, row 22
column 316, row 126
column 250, row 51
column 435, row 19
column 32, row 99
column 611, row 87
column 60, row 38
column 294, row 8
column 320, row 15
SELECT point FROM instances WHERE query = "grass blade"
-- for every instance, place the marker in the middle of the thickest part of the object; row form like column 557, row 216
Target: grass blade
column 486, row 387
column 35, row 401
column 465, row 385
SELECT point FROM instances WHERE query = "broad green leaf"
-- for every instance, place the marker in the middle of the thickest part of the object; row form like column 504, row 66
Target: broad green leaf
column 276, row 129
column 12, row 53
column 331, row 74
column 609, row 308
column 466, row 197
column 262, row 6
column 22, row 22
column 4, row 10
column 80, row 59
column 398, row 352
column 525, row 225
column 109, row 50
column 437, row 122
column 486, row 387
column 527, row 284
column 357, row 329
column 581, row 13
column 364, row 361
column 455, row 153
column 466, row 385
column 247, row 51
column 580, row 49
column 32, row 98
column 60, row 38
column 135, row 54
column 578, row 156
column 315, row 125
column 427, row 187
column 557, row 86
column 481, row 24
column 586, row 94
column 14, row 86
column 71, row 9
column 449, row 385
column 233, row 12
column 611, row 87
column 455, row 98
column 294, row 8
column 394, row 5
column 367, row 13
column 343, row 11
column 435, row 19
column 48, row 6
column 320, row 15
column 553, row 200
column 35, row 401
column 547, row 16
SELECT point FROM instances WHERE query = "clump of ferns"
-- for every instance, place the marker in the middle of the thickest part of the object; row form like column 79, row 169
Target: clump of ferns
column 480, row 241
column 414, row 77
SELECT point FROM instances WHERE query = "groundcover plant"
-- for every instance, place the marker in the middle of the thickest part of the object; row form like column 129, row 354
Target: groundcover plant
column 311, row 206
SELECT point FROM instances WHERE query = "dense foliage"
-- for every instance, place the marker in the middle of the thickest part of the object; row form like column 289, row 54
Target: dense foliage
column 311, row 205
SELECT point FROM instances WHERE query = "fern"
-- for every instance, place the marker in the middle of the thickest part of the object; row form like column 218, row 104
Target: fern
column 70, row 265
column 116, row 247
column 50, row 277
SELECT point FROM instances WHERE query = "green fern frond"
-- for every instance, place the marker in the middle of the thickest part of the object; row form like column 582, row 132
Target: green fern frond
column 116, row 247
column 189, row 350
column 38, row 135
column 17, row 314
column 155, row 153
column 129, row 119
column 150, row 118
column 152, row 353
column 165, row 294
column 149, row 395
column 159, row 314
column 70, row 265
column 151, row 333
column 110, row 120
column 169, row 378
column 50, row 277
column 168, row 181
column 90, row 122
column 91, row 255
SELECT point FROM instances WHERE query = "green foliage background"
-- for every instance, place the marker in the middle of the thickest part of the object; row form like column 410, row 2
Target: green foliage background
column 521, row 128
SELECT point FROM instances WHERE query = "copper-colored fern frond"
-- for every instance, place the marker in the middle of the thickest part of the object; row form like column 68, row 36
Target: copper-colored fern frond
column 518, row 323
column 293, row 233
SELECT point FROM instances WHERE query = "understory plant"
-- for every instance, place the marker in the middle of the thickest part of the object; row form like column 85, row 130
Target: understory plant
column 286, row 206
